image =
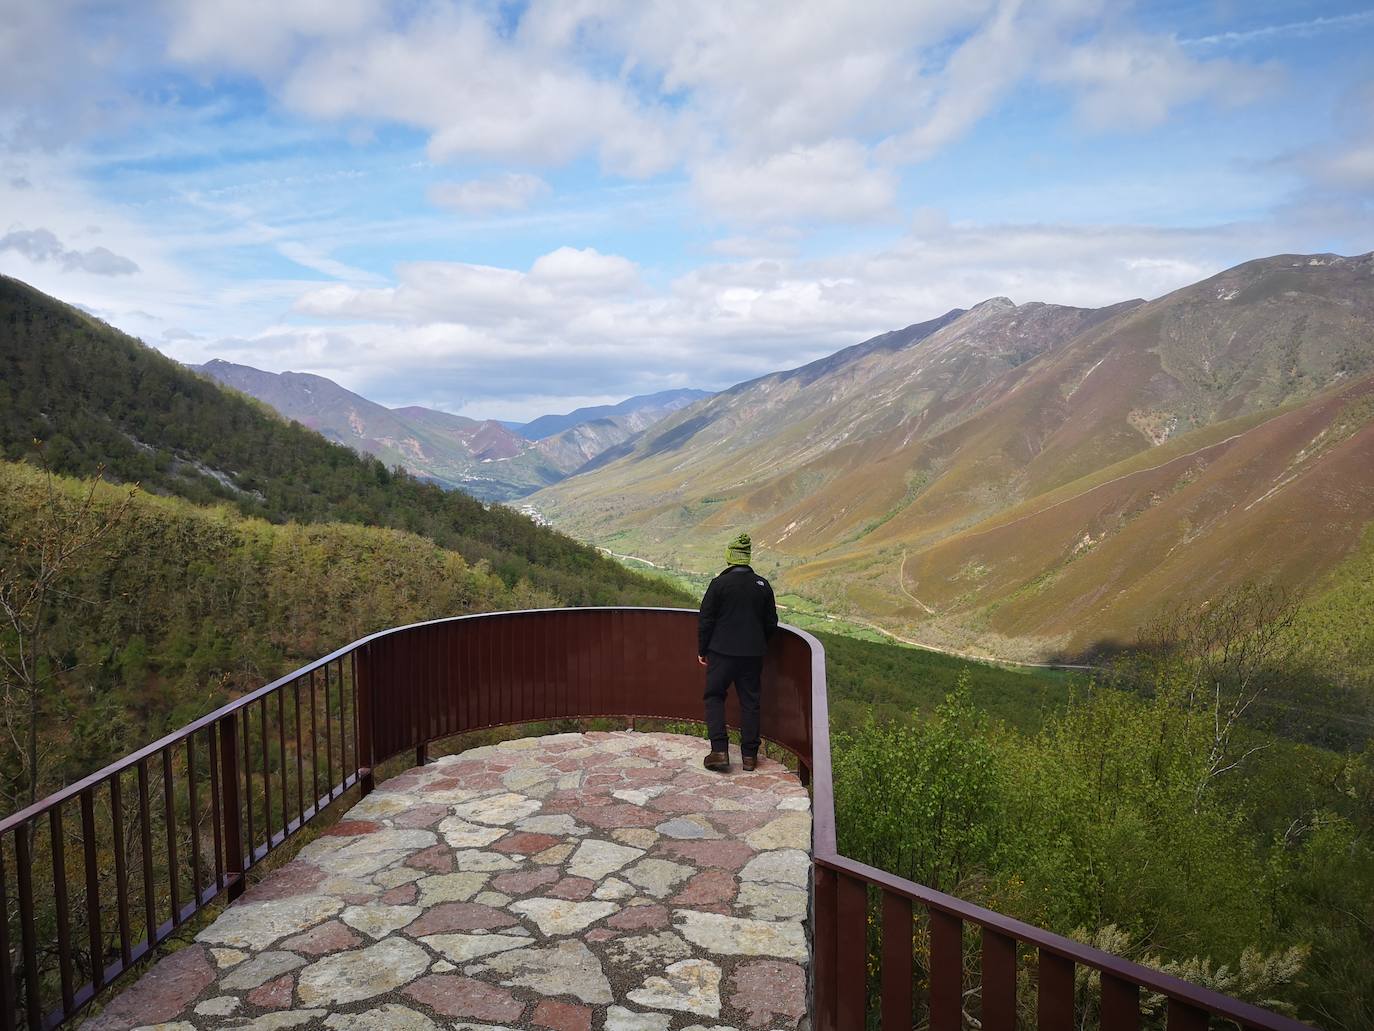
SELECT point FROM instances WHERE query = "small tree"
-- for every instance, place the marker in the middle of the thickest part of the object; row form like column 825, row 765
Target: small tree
column 1218, row 659
column 35, row 568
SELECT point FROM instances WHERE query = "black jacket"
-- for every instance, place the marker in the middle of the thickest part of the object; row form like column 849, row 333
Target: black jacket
column 738, row 614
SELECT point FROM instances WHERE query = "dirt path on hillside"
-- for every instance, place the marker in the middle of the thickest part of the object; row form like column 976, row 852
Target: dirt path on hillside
column 633, row 558
column 901, row 583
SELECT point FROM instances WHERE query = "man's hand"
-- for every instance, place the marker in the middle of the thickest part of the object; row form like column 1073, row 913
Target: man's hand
column 701, row 659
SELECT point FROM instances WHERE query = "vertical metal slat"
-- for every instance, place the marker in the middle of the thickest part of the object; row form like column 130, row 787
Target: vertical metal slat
column 897, row 962
column 62, row 907
column 825, row 973
column 169, row 802
column 281, row 747
column 193, row 816
column 247, row 785
column 1182, row 1017
column 28, row 937
column 266, row 776
column 300, row 758
column 1121, row 1005
column 1054, row 1004
column 213, row 754
column 121, row 871
column 999, row 982
column 145, row 832
column 851, row 943
column 234, row 865
column 94, row 933
column 946, row 971
column 9, row 1004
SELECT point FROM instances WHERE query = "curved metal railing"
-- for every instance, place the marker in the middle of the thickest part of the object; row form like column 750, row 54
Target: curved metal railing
column 94, row 877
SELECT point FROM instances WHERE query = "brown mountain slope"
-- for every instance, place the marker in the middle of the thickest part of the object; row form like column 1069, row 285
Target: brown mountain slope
column 764, row 446
column 483, row 457
column 904, row 451
column 1283, row 498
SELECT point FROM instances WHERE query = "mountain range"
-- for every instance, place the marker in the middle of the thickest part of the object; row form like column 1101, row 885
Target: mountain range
column 489, row 459
column 101, row 402
column 1034, row 479
column 639, row 407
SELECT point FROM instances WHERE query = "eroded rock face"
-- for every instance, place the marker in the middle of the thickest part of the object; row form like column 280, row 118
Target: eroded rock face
column 570, row 882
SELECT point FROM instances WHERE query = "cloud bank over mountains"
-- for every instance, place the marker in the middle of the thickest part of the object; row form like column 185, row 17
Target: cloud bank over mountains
column 479, row 206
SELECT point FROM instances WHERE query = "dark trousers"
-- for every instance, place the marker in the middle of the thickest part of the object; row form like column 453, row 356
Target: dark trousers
column 744, row 671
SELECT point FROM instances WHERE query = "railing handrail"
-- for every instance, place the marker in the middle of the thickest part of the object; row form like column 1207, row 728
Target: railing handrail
column 1247, row 1014
column 131, row 760
column 809, row 734
column 825, row 851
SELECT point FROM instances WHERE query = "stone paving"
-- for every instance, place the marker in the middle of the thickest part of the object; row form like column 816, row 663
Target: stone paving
column 562, row 883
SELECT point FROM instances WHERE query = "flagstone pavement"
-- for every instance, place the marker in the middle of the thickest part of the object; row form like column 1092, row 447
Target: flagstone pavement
column 562, row 883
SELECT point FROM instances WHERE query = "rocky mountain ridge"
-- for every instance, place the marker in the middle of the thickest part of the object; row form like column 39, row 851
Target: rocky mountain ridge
column 487, row 458
column 879, row 480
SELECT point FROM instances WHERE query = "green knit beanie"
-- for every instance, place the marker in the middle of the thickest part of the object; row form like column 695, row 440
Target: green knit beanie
column 737, row 552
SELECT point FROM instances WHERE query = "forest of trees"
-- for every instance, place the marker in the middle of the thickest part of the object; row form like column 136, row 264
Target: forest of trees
column 173, row 609
column 98, row 399
column 1173, row 809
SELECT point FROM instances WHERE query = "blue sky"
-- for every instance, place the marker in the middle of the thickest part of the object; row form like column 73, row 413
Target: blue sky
column 506, row 209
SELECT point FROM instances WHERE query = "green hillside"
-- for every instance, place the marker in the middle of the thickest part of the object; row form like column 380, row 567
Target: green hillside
column 179, row 607
column 97, row 397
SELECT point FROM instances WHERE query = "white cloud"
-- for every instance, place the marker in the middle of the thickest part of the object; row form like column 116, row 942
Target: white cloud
column 585, row 271
column 262, row 36
column 979, row 73
column 767, row 82
column 1350, row 169
column 510, row 191
column 1344, row 164
column 585, row 321
column 647, row 86
column 42, row 245
column 1265, row 33
column 311, row 258
column 831, row 181
column 1134, row 82
column 786, row 130
column 481, row 93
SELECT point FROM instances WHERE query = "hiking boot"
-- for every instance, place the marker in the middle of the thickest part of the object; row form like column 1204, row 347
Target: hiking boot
column 717, row 762
column 750, row 763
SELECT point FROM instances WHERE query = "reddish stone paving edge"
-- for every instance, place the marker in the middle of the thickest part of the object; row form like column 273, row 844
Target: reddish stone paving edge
column 562, row 883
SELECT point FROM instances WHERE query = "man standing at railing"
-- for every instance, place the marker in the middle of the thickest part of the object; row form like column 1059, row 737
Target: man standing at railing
column 738, row 616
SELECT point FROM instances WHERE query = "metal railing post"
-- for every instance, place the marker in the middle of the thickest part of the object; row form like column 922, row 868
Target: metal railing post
column 229, row 786
column 823, row 959
column 364, row 680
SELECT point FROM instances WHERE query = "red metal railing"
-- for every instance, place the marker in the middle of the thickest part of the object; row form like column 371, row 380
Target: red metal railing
column 80, row 907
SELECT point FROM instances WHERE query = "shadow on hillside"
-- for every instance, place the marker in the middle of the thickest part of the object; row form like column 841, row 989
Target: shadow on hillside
column 1298, row 699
